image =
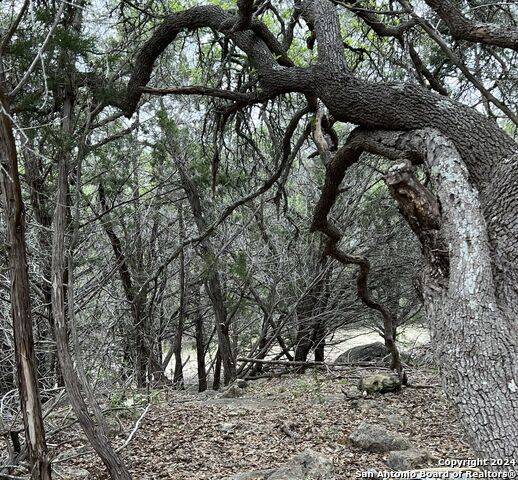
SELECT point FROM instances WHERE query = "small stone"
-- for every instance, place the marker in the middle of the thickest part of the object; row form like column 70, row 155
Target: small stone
column 73, row 472
column 308, row 465
column 228, row 427
column 408, row 459
column 255, row 475
column 232, row 392
column 396, row 420
column 375, row 438
column 380, row 383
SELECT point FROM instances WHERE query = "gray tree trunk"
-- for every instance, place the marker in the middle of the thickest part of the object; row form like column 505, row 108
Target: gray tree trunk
column 95, row 433
column 473, row 326
column 20, row 296
column 475, row 335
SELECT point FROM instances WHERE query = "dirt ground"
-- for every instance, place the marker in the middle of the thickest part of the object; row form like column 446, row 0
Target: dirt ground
column 186, row 435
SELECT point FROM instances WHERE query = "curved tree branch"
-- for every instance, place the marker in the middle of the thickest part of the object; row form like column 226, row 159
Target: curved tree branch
column 201, row 90
column 462, row 28
column 263, row 50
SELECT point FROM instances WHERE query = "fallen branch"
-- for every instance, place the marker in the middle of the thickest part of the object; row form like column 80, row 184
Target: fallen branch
column 297, row 363
column 130, row 437
column 11, row 477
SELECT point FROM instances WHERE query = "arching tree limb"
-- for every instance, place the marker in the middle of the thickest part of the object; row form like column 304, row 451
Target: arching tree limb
column 463, row 28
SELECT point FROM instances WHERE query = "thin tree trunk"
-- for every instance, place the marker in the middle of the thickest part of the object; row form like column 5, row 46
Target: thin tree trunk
column 77, row 353
column 200, row 346
column 217, row 371
column 178, row 380
column 20, row 296
column 94, row 433
column 213, row 284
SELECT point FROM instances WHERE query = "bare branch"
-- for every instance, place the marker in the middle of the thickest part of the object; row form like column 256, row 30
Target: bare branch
column 201, row 90
column 383, row 30
column 9, row 34
column 462, row 28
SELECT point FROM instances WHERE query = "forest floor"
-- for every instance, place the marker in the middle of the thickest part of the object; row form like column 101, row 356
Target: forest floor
column 186, row 435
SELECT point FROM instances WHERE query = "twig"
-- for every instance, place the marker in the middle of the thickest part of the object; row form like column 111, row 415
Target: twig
column 130, row 437
column 40, row 51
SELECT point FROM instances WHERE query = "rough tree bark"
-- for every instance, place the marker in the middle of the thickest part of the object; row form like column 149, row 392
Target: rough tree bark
column 487, row 152
column 479, row 363
column 474, row 336
column 26, row 369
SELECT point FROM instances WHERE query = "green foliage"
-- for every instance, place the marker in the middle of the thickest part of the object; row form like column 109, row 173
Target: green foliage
column 239, row 265
column 71, row 42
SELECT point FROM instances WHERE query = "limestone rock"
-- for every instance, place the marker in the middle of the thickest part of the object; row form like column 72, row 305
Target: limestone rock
column 228, row 427
column 408, row 459
column 308, row 465
column 255, row 475
column 376, row 438
column 72, row 472
column 397, row 420
column 232, row 392
column 364, row 353
column 380, row 383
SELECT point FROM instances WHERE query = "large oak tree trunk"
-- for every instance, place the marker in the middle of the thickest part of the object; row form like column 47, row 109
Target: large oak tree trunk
column 20, row 296
column 473, row 330
column 475, row 335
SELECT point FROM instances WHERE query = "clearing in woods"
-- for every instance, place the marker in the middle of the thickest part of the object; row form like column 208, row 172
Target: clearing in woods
column 187, row 435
